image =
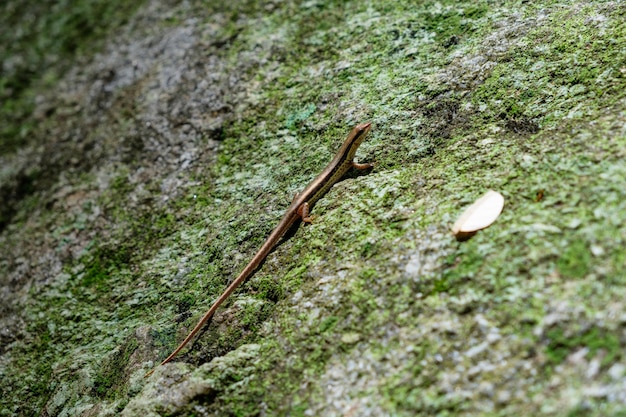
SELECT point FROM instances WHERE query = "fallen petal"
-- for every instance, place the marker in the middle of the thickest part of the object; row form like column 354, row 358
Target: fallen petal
column 479, row 215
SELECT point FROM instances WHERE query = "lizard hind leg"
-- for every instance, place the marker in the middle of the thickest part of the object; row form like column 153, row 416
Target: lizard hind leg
column 358, row 166
column 303, row 212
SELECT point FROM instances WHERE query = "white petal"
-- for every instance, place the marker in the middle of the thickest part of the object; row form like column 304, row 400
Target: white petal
column 479, row 215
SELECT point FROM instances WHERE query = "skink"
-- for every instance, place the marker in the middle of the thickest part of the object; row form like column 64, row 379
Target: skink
column 298, row 210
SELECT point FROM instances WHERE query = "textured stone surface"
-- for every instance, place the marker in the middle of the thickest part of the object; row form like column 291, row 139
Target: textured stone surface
column 147, row 153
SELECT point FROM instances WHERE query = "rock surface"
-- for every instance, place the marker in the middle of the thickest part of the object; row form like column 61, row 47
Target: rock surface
column 147, row 152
